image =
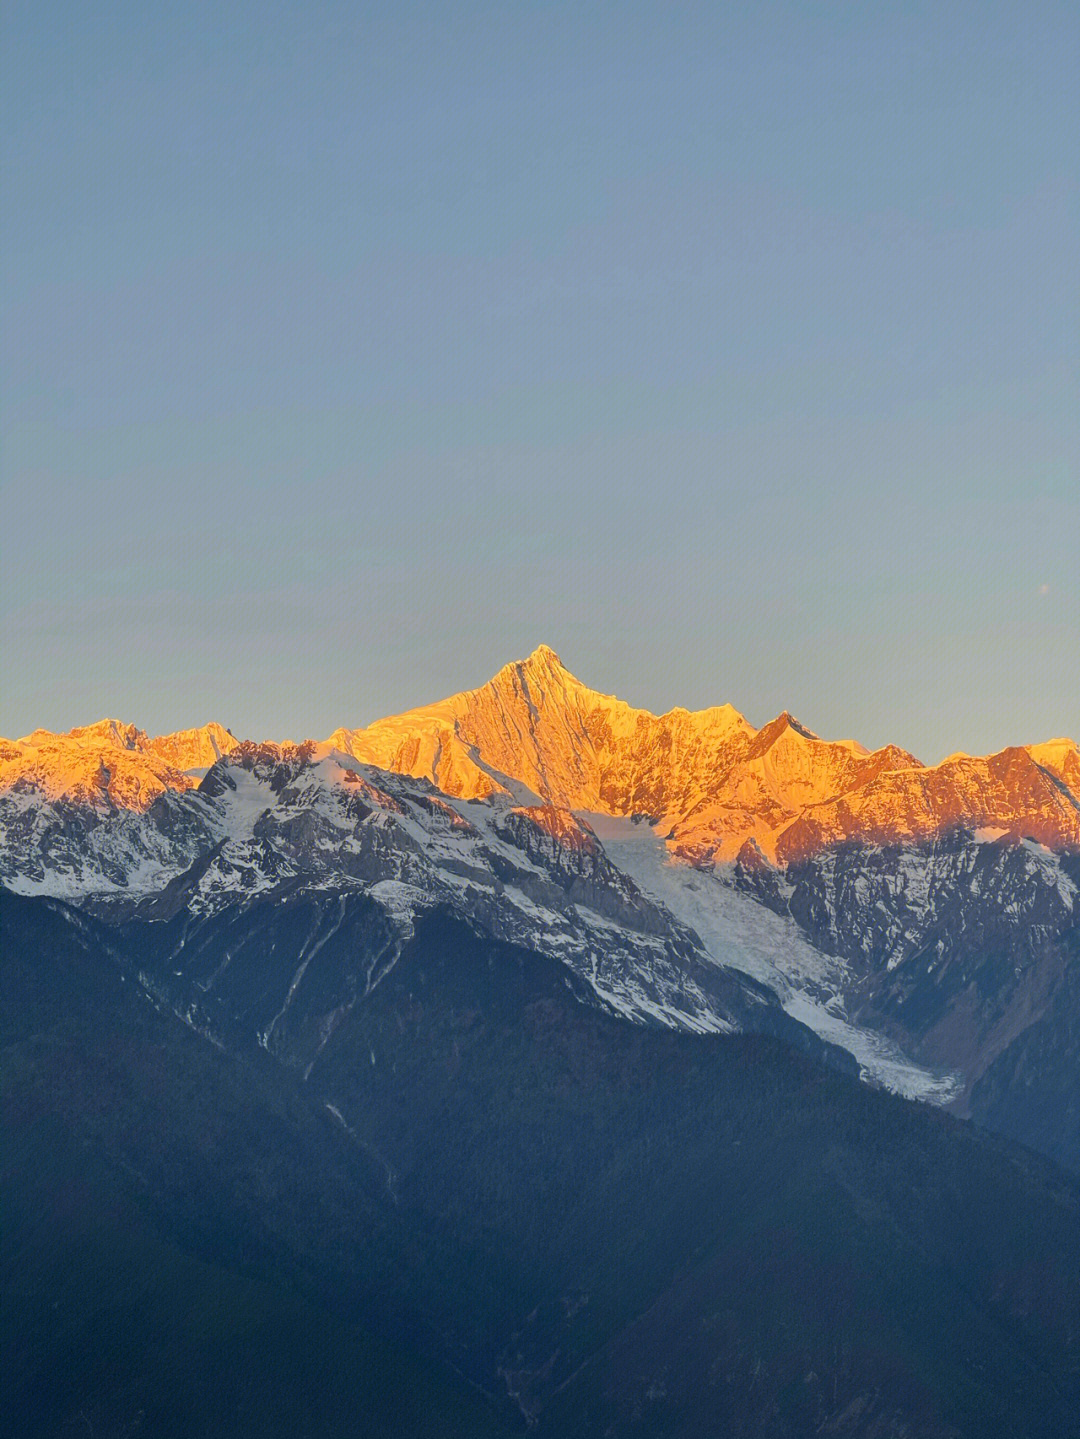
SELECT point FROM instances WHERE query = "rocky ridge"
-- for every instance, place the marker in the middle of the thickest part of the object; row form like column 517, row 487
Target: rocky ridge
column 287, row 821
column 709, row 781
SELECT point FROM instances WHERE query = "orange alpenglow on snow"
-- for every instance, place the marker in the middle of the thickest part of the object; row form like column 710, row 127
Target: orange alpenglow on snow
column 714, row 786
column 110, row 763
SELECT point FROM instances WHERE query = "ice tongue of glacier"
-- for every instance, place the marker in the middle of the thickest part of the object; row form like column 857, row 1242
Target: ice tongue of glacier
column 741, row 934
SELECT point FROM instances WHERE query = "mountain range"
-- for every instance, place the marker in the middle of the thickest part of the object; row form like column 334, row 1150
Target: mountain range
column 696, row 870
column 560, row 996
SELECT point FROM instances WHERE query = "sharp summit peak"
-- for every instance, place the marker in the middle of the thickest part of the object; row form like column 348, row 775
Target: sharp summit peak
column 543, row 655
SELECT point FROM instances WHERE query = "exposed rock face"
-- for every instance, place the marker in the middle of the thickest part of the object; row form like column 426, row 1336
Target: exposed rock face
column 709, row 781
column 193, row 749
column 104, row 807
column 536, row 726
column 93, row 768
column 1009, row 793
column 966, row 951
column 947, row 893
column 569, row 849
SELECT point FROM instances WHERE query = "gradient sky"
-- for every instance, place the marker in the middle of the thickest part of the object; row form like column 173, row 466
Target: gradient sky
column 350, row 351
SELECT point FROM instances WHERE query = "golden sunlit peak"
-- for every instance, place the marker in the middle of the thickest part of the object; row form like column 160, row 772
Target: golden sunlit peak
column 102, row 732
column 786, row 720
column 542, row 668
column 543, row 655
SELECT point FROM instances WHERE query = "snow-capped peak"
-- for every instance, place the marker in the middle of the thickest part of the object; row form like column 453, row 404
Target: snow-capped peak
column 536, row 734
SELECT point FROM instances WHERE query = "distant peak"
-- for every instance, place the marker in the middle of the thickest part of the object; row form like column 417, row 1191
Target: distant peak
column 543, row 657
column 775, row 730
column 1062, row 743
column 212, row 727
column 785, row 720
column 543, row 668
column 788, row 719
column 109, row 732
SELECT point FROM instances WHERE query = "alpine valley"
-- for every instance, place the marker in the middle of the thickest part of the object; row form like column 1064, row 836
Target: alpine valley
column 529, row 1061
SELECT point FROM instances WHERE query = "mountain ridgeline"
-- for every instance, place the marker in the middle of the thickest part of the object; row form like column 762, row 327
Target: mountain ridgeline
column 694, row 870
column 549, row 1065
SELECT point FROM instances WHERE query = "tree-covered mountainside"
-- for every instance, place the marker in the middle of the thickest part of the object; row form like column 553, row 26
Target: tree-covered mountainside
column 490, row 1205
column 112, row 1327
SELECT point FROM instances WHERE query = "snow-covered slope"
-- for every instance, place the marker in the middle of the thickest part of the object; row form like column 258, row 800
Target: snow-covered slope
column 284, row 820
column 713, row 786
column 535, row 725
column 108, row 765
column 955, row 947
column 740, row 933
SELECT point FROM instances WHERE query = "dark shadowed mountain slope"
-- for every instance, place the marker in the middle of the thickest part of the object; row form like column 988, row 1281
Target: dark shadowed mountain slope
column 161, row 1206
column 610, row 1229
column 111, row 1327
column 965, row 954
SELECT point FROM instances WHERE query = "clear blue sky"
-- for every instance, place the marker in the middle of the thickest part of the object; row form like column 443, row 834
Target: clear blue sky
column 350, row 351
